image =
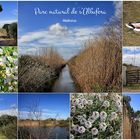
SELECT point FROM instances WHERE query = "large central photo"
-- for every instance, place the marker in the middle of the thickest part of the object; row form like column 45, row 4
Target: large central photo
column 70, row 46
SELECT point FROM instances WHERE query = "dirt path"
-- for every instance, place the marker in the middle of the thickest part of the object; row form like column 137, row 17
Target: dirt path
column 64, row 83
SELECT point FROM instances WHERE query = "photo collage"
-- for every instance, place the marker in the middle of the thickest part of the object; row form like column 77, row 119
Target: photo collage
column 69, row 69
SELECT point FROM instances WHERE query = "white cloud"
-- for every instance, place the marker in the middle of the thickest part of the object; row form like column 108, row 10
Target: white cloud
column 10, row 112
column 57, row 36
column 131, row 55
column 58, row 29
column 118, row 8
column 2, row 22
column 13, row 106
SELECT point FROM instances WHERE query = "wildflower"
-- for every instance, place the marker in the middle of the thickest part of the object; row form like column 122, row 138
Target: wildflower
column 88, row 124
column 75, row 127
column 75, row 102
column 73, row 108
column 90, row 102
column 80, row 95
column 91, row 119
column 82, row 121
column 113, row 116
column 103, row 116
column 10, row 58
column 1, row 51
column 84, row 101
column 119, row 106
column 94, row 131
column 104, row 94
column 15, row 53
column 81, row 129
column 106, row 104
column 102, row 126
column 95, row 114
column 84, row 115
column 71, row 136
column 11, row 88
column 80, row 105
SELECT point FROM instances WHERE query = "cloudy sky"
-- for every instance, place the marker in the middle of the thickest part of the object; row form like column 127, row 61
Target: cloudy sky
column 50, row 105
column 49, row 30
column 9, row 13
column 8, row 104
column 131, row 55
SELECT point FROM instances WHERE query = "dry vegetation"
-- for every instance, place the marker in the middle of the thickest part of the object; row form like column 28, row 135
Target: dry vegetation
column 38, row 72
column 98, row 66
column 131, row 13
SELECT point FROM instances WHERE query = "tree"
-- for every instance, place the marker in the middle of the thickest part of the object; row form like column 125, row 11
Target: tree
column 12, row 28
column 1, row 8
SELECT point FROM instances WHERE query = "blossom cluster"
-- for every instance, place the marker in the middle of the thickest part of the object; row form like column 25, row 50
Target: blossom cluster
column 96, row 115
column 8, row 69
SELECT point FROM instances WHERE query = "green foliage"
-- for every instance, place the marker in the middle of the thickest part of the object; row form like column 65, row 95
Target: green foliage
column 8, row 69
column 8, row 126
column 96, row 115
column 126, row 101
column 1, row 8
column 12, row 30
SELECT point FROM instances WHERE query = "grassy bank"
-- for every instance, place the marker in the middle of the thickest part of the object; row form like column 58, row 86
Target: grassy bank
column 37, row 73
column 131, row 13
column 131, row 88
column 43, row 123
column 97, row 68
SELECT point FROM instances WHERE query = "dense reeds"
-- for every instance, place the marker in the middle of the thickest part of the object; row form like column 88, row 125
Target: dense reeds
column 98, row 66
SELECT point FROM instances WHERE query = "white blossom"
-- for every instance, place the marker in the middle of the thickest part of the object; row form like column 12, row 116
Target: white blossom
column 94, row 131
column 103, row 115
column 102, row 126
column 73, row 108
column 88, row 124
column 113, row 116
column 81, row 129
column 106, row 104
column 95, row 114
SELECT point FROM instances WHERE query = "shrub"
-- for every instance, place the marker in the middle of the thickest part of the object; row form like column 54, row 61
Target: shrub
column 38, row 72
column 96, row 115
column 12, row 30
column 8, row 69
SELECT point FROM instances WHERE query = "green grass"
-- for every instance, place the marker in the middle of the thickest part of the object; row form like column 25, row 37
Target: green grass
column 131, row 13
column 132, row 88
column 2, row 136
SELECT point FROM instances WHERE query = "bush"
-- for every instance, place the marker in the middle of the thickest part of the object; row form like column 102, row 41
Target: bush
column 12, row 30
column 96, row 115
column 8, row 126
column 38, row 72
column 8, row 69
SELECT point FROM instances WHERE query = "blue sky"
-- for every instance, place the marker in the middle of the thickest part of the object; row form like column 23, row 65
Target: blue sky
column 43, row 21
column 49, row 104
column 7, row 101
column 131, row 55
column 9, row 13
column 8, row 104
column 135, row 100
column 51, row 31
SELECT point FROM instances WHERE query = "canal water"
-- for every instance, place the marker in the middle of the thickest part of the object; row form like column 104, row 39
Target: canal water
column 64, row 83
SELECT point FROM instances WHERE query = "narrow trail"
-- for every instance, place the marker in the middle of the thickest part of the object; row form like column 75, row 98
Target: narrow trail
column 64, row 83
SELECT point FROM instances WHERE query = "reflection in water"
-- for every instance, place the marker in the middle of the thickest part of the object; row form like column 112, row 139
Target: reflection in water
column 46, row 132
column 64, row 83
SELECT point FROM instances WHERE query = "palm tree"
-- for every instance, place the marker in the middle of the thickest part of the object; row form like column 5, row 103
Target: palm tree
column 1, row 8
